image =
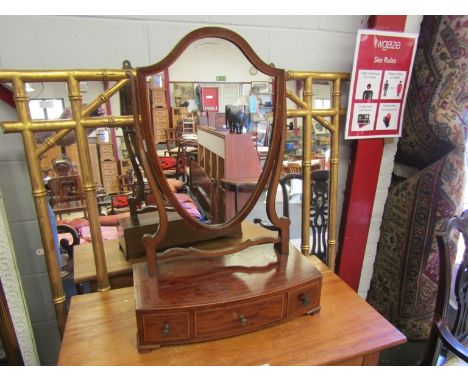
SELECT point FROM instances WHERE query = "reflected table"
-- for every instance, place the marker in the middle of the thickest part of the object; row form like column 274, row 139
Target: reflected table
column 245, row 184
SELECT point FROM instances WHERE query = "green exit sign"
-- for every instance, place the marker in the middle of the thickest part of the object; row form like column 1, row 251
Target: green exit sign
column 220, row 78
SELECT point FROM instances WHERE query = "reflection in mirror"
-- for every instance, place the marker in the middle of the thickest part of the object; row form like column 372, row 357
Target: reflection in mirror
column 320, row 135
column 213, row 128
column 60, row 164
column 291, row 177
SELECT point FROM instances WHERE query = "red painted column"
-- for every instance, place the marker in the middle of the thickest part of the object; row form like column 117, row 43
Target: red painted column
column 363, row 175
column 113, row 134
column 167, row 86
column 6, row 95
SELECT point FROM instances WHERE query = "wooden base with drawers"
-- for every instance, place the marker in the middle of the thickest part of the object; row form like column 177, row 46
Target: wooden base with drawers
column 196, row 299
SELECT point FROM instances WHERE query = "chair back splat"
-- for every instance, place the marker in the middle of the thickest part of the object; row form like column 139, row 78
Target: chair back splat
column 445, row 337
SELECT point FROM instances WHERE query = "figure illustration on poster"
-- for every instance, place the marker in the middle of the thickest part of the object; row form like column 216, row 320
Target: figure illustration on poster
column 399, row 88
column 368, row 93
column 385, row 88
column 386, row 119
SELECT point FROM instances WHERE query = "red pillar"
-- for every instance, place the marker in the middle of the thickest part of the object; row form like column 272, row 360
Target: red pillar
column 6, row 95
column 363, row 175
column 167, row 86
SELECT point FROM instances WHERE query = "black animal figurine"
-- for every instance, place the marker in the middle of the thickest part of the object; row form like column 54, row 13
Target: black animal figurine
column 235, row 118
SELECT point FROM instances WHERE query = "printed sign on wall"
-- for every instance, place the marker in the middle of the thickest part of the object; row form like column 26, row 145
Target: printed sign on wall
column 379, row 84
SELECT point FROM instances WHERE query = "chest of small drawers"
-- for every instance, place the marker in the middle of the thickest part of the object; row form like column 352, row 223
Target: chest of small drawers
column 106, row 152
column 158, row 97
column 197, row 299
column 109, row 174
column 160, row 124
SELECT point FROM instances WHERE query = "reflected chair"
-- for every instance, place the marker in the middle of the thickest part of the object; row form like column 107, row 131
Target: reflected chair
column 65, row 243
column 318, row 208
column 188, row 124
column 182, row 149
column 445, row 337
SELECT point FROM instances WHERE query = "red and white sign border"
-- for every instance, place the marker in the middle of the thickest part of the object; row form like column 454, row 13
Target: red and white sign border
column 353, row 82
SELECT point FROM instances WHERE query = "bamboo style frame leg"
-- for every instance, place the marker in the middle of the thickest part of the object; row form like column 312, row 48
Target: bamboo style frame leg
column 81, row 121
column 88, row 185
column 40, row 201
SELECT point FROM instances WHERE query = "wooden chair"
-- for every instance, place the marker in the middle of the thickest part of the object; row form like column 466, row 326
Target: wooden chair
column 443, row 335
column 65, row 243
column 318, row 208
column 182, row 149
column 188, row 124
column 173, row 136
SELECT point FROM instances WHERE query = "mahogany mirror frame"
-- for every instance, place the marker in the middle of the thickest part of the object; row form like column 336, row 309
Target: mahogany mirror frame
column 153, row 170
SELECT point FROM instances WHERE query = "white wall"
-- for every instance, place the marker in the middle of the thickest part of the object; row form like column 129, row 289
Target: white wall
column 211, row 57
column 321, row 43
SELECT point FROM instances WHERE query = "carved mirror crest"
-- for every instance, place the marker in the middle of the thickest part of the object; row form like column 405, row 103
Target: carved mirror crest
column 236, row 151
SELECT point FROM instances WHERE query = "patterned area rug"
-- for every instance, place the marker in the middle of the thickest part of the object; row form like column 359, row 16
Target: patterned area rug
column 404, row 282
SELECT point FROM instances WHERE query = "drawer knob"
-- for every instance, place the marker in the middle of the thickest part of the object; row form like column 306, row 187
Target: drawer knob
column 304, row 299
column 243, row 320
column 165, row 330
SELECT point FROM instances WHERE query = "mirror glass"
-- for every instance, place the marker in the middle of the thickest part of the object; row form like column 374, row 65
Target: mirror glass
column 60, row 164
column 213, row 128
column 320, row 144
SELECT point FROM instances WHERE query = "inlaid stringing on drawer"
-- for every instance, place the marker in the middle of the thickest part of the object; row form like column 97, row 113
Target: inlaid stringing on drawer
column 237, row 319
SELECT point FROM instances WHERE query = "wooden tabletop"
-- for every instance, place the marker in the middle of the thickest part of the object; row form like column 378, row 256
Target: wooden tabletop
column 101, row 330
column 85, row 270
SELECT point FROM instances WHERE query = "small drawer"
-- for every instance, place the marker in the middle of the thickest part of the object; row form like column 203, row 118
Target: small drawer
column 161, row 128
column 159, row 99
column 108, row 166
column 158, row 91
column 159, row 102
column 112, row 189
column 238, row 319
column 105, row 149
column 160, row 113
column 107, row 156
column 301, row 301
column 158, row 120
column 109, row 172
column 165, row 327
column 161, row 135
column 110, row 180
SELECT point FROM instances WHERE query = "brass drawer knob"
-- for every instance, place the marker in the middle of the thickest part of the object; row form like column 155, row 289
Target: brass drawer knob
column 243, row 320
column 304, row 299
column 165, row 330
